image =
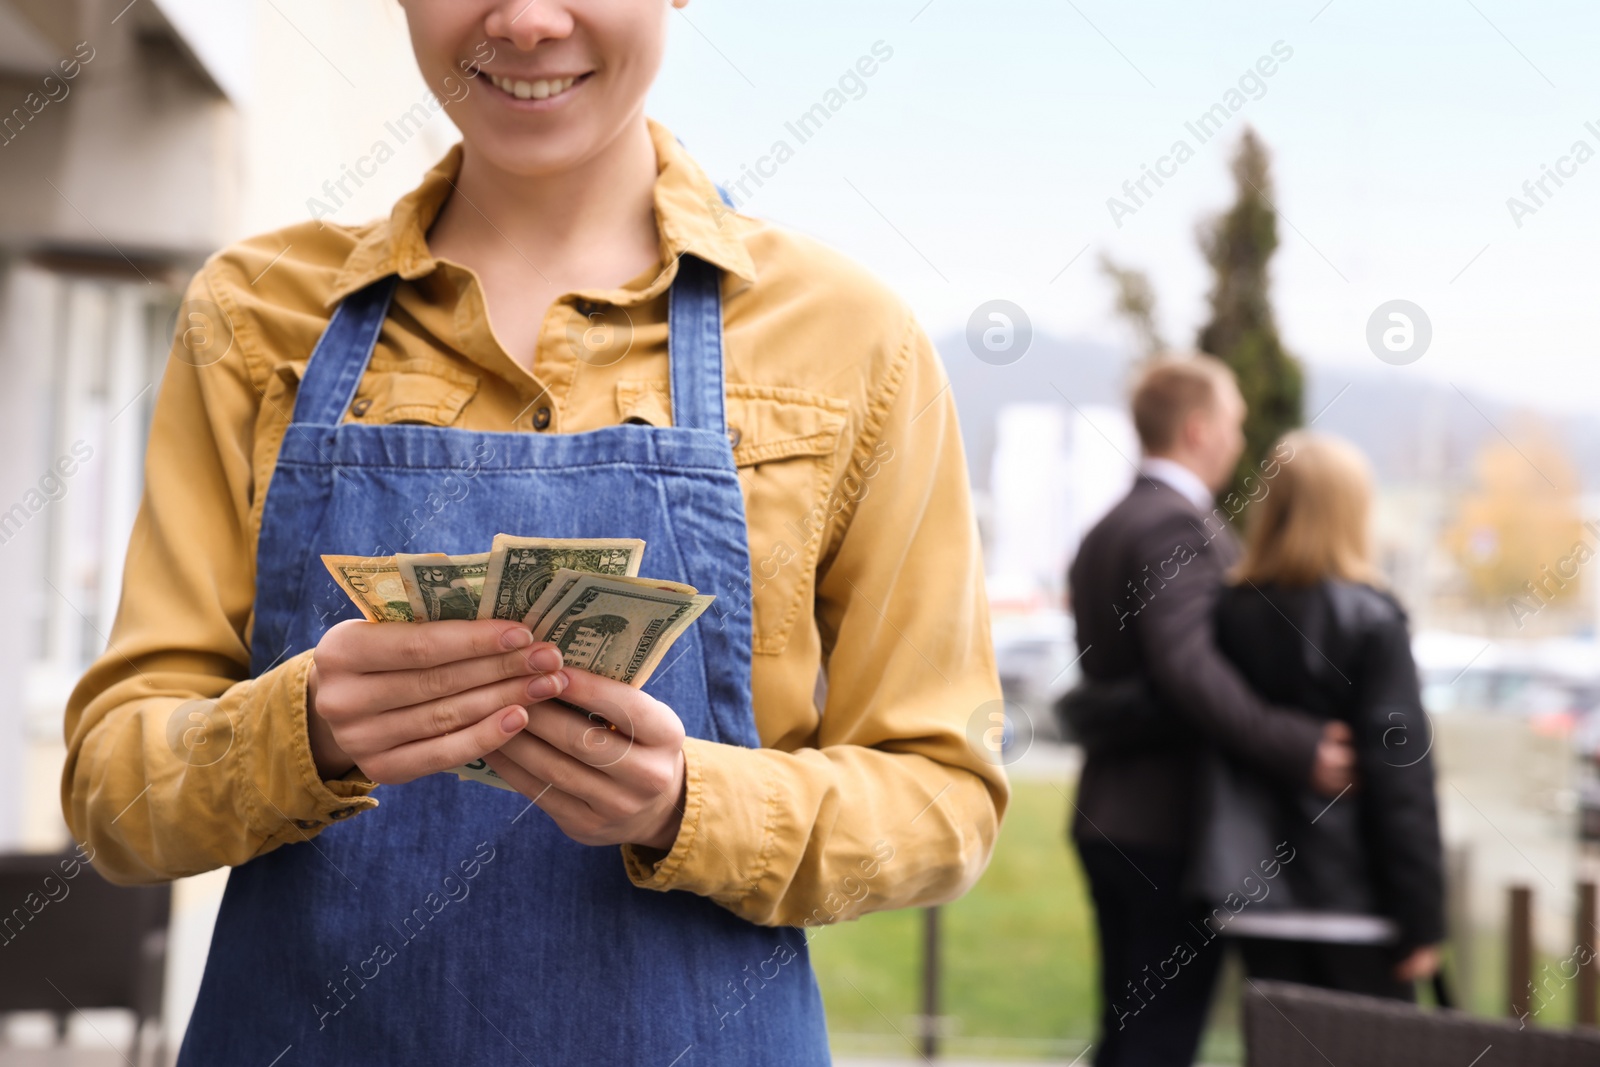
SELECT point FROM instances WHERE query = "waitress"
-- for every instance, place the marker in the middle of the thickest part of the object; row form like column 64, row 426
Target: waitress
column 563, row 332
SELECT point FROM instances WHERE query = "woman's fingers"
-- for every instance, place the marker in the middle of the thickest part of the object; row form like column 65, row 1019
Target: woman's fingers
column 636, row 714
column 569, row 731
column 601, row 786
column 366, row 647
column 544, row 762
column 402, row 700
column 517, row 776
column 563, row 807
column 409, row 762
column 400, row 689
column 446, row 715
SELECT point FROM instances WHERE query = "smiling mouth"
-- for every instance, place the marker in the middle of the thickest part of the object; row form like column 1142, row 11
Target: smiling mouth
column 540, row 89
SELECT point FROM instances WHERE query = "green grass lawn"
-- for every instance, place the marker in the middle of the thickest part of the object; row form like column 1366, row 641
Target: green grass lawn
column 1018, row 953
column 1019, row 959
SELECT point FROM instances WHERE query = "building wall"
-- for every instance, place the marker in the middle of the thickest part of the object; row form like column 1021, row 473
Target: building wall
column 171, row 140
column 118, row 181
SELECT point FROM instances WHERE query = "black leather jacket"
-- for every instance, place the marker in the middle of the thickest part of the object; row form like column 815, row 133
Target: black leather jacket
column 1341, row 650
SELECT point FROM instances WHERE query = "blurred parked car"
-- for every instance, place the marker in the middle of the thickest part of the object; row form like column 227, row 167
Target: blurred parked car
column 1037, row 658
column 1553, row 684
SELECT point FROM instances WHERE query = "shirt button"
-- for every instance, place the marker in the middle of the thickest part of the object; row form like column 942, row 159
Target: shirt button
column 307, row 824
column 361, row 407
column 541, row 418
column 585, row 307
column 734, row 436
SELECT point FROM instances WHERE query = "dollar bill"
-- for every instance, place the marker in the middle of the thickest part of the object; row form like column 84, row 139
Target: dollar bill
column 676, row 613
column 617, row 629
column 617, row 626
column 562, row 582
column 560, row 585
column 520, row 568
column 443, row 587
column 373, row 585
column 584, row 595
column 480, row 771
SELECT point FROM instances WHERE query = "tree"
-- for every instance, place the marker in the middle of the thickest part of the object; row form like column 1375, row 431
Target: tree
column 1519, row 537
column 1136, row 303
column 1238, row 244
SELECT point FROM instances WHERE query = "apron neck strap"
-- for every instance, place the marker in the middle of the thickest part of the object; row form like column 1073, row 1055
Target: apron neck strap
column 694, row 346
column 342, row 354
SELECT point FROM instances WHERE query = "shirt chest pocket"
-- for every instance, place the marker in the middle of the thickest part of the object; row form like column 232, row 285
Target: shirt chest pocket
column 786, row 444
column 417, row 389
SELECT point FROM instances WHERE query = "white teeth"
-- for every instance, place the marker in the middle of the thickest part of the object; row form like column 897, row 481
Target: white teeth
column 538, row 90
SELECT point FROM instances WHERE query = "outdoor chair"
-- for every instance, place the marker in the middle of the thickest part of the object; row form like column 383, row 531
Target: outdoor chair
column 73, row 943
column 1288, row 1025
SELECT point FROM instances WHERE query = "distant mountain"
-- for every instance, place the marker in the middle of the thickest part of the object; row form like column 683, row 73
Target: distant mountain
column 1412, row 428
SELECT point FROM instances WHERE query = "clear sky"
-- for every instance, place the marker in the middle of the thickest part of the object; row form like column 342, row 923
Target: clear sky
column 976, row 161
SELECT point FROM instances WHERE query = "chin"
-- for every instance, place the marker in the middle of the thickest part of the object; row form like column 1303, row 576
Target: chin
column 526, row 151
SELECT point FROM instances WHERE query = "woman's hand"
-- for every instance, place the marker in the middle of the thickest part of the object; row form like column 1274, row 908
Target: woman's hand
column 601, row 786
column 401, row 700
column 1422, row 963
column 1334, row 769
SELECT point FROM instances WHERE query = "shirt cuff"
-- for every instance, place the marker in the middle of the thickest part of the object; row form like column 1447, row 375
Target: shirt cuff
column 289, row 798
column 722, row 846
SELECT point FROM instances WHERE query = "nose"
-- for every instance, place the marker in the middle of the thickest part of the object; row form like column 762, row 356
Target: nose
column 525, row 23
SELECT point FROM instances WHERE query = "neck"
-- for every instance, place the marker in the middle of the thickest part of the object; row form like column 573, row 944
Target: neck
column 1188, row 463
column 605, row 201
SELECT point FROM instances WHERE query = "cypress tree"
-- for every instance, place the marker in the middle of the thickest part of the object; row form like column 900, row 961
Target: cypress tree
column 1238, row 244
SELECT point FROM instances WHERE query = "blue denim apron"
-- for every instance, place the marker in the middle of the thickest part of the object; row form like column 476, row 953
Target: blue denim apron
column 452, row 925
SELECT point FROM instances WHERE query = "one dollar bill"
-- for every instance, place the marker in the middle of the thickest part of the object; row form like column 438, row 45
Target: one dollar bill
column 520, row 568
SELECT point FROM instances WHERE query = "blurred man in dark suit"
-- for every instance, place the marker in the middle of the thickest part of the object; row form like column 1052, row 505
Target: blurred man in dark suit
column 1156, row 690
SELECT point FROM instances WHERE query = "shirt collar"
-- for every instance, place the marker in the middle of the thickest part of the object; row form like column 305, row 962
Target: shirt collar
column 1176, row 476
column 690, row 217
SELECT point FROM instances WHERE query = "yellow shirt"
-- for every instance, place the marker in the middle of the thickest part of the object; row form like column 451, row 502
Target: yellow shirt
column 867, row 793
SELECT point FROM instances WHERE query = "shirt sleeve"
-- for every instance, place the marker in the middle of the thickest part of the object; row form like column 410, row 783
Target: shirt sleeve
column 177, row 761
column 899, row 802
column 1176, row 632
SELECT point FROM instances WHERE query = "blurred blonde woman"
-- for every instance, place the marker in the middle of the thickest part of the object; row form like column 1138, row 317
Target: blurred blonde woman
column 1359, row 906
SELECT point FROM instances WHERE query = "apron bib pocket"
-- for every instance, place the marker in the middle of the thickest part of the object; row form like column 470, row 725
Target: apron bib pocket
column 786, row 447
